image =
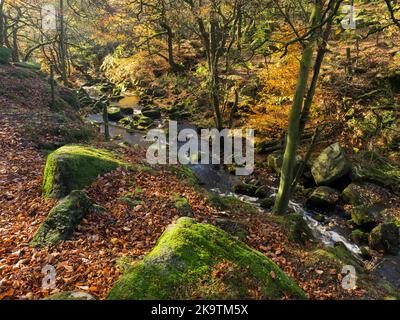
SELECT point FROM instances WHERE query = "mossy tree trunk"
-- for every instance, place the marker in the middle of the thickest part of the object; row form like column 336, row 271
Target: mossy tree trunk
column 293, row 136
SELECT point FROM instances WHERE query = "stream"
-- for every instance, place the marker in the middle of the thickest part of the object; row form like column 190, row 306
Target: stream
column 215, row 179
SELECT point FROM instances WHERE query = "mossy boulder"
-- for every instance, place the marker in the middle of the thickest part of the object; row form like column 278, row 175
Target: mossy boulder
column 126, row 122
column 142, row 122
column 267, row 203
column 75, row 167
column 375, row 169
column 251, row 190
column 115, row 114
column 70, row 295
column 202, row 261
column 359, row 237
column 331, row 166
column 5, row 55
column 62, row 219
column 366, row 194
column 182, row 205
column 367, row 217
column 385, row 237
column 297, row 229
column 151, row 112
column 323, row 198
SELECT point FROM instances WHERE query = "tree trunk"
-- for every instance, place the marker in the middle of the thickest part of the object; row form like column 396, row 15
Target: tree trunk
column 2, row 42
column 63, row 51
column 289, row 159
column 293, row 138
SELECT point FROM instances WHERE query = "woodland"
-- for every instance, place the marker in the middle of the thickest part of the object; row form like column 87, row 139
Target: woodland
column 85, row 216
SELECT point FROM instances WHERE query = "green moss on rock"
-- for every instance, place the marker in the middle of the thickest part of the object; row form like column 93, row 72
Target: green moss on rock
column 323, row 198
column 182, row 263
column 69, row 295
column 331, row 165
column 385, row 237
column 296, row 228
column 75, row 167
column 62, row 219
column 182, row 205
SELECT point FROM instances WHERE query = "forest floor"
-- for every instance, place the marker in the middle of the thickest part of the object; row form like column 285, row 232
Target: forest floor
column 89, row 260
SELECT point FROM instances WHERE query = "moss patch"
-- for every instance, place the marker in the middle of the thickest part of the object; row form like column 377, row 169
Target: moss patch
column 189, row 251
column 74, row 167
column 62, row 219
column 68, row 295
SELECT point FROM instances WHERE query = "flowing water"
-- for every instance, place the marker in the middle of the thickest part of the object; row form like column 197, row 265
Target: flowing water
column 216, row 179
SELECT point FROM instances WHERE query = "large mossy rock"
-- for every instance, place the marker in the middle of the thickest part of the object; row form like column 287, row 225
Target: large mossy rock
column 250, row 190
column 151, row 112
column 62, row 219
column 366, row 194
column 70, row 295
column 331, row 165
column 367, row 217
column 202, row 261
column 75, row 167
column 115, row 114
column 323, row 198
column 385, row 237
column 373, row 168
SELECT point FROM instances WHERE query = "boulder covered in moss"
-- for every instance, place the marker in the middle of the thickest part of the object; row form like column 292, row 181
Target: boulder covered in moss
column 151, row 112
column 182, row 205
column 202, row 261
column 385, row 237
column 323, row 198
column 62, row 219
column 250, row 190
column 115, row 114
column 331, row 166
column 297, row 229
column 366, row 194
column 375, row 169
column 367, row 217
column 75, row 167
column 70, row 295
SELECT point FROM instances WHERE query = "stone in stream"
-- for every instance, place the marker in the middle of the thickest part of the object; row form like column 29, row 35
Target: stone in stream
column 142, row 122
column 193, row 259
column 126, row 122
column 152, row 112
column 62, row 219
column 114, row 114
column 359, row 237
column 75, row 167
column 331, row 166
column 323, row 198
column 385, row 237
column 250, row 190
